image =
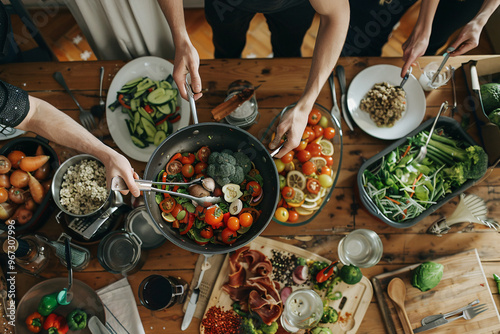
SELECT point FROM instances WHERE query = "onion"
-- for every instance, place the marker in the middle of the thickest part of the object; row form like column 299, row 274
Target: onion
column 300, row 274
column 256, row 199
column 285, row 293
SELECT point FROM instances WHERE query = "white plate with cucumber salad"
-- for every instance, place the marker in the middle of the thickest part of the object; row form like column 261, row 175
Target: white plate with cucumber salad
column 144, row 106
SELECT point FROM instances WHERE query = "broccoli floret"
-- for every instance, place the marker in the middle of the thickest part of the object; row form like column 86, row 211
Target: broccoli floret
column 238, row 175
column 478, row 162
column 321, row 330
column 212, row 171
column 224, row 158
column 494, row 116
column 456, row 174
column 213, row 158
column 222, row 181
column 226, row 170
column 244, row 161
column 269, row 329
column 227, row 151
column 248, row 327
column 329, row 314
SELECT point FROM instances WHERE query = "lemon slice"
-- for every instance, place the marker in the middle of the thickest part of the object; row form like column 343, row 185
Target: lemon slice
column 310, row 206
column 298, row 198
column 313, row 197
column 326, row 147
column 289, row 166
column 296, row 179
column 318, row 162
column 323, row 192
column 303, row 212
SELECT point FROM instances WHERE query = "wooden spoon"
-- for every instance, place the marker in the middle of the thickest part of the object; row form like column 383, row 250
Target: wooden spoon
column 397, row 292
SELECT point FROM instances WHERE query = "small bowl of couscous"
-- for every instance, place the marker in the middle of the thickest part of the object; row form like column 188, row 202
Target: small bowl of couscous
column 79, row 186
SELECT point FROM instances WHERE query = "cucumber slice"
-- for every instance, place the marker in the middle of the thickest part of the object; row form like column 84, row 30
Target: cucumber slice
column 165, row 85
column 145, row 84
column 132, row 83
column 139, row 143
column 145, row 114
column 165, row 108
column 161, row 96
column 160, row 136
column 148, row 127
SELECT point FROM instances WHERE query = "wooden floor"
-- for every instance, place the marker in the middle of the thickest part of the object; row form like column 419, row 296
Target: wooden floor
column 68, row 43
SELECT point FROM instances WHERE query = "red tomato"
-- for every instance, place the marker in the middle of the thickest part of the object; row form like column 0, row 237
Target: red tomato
column 254, row 188
column 174, row 167
column 313, row 186
column 213, row 216
column 228, row 236
column 329, row 133
column 233, row 223
column 301, row 146
column 314, row 116
column 287, row 192
column 309, row 134
column 200, row 168
column 281, row 214
column 168, row 204
column 207, row 232
column 187, row 158
column 308, row 168
column 188, row 170
column 314, row 149
column 318, row 130
column 329, row 160
column 177, row 208
column 287, row 157
column 203, row 154
column 246, row 219
column 304, row 156
column 326, row 170
column 293, row 216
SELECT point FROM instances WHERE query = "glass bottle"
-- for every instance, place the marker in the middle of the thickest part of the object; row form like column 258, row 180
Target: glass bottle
column 31, row 256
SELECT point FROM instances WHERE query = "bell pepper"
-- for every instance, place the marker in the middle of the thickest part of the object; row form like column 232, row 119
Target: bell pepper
column 48, row 304
column 77, row 320
column 55, row 324
column 34, row 322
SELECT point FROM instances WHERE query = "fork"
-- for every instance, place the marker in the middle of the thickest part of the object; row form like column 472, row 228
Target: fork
column 423, row 150
column 407, row 75
column 86, row 117
column 471, row 312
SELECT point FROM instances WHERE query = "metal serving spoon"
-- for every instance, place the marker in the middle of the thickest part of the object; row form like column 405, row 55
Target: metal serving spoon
column 118, row 183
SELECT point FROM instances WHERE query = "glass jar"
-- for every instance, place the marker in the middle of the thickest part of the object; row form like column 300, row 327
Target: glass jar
column 247, row 113
column 157, row 292
column 120, row 253
column 32, row 256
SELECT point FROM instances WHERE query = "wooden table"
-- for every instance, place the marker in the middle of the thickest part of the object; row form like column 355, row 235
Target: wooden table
column 282, row 81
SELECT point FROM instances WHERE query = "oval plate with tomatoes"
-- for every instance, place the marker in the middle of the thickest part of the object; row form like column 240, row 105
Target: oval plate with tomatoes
column 308, row 174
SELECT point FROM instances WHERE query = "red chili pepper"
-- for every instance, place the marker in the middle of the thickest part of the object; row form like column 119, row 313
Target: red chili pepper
column 190, row 222
column 122, row 102
column 176, row 156
column 175, row 118
column 187, row 158
column 325, row 273
column 151, row 89
column 148, row 109
column 161, row 121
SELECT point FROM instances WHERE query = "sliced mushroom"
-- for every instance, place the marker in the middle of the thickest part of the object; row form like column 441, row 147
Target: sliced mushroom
column 235, row 207
column 198, row 191
column 208, row 183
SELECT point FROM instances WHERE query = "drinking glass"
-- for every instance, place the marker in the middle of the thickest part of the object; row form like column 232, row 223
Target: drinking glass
column 157, row 292
column 362, row 248
column 428, row 73
column 303, row 310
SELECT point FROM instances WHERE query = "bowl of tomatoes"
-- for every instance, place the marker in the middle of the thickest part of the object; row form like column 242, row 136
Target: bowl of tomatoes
column 308, row 174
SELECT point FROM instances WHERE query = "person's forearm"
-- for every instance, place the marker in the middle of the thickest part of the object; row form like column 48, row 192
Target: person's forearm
column 334, row 22
column 488, row 7
column 423, row 26
column 174, row 13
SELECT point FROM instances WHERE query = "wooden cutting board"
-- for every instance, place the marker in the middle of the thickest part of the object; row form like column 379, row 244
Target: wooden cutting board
column 463, row 282
column 357, row 296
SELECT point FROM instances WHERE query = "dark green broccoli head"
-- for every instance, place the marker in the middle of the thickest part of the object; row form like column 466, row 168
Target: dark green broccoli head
column 490, row 94
column 244, row 161
column 238, row 175
column 213, row 158
column 225, row 158
column 494, row 117
column 478, row 160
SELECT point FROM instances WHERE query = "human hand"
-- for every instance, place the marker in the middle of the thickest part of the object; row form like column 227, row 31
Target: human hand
column 413, row 48
column 117, row 165
column 187, row 61
column 293, row 125
column 468, row 38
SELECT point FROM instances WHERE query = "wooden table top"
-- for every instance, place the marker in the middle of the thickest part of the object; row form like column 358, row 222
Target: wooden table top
column 282, row 81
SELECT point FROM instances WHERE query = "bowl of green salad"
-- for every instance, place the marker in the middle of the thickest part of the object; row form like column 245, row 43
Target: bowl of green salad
column 400, row 191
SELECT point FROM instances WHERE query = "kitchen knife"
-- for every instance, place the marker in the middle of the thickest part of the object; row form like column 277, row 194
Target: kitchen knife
column 335, row 109
column 431, row 325
column 345, row 111
column 188, row 316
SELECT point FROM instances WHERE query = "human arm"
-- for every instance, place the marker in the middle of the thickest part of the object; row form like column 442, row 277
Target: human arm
column 186, row 59
column 54, row 125
column 416, row 45
column 334, row 22
column 468, row 38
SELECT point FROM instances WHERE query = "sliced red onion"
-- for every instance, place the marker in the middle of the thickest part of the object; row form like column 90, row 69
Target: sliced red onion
column 256, row 199
column 285, row 293
column 302, row 272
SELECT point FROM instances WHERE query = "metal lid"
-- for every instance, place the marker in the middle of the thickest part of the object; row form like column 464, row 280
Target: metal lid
column 119, row 252
column 140, row 223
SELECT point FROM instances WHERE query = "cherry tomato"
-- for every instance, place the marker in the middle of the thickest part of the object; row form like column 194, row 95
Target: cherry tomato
column 228, row 236
column 187, row 158
column 323, row 122
column 326, row 181
column 233, row 223
column 329, row 133
column 314, row 116
column 203, row 154
column 246, row 219
column 15, row 157
column 329, row 160
column 177, row 208
column 314, row 149
column 302, row 145
column 313, row 186
column 201, row 168
column 287, row 158
column 5, row 180
column 187, row 170
column 281, row 214
column 5, row 164
column 318, row 130
column 213, row 216
column 308, row 168
column 293, row 216
column 4, row 195
column 326, row 170
column 168, row 204
column 310, row 134
column 280, row 165
column 254, row 188
column 16, row 195
column 304, row 156
column 207, row 232
column 174, row 167
column 288, row 193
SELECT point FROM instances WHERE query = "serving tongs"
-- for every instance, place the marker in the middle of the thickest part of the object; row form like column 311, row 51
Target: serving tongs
column 118, row 183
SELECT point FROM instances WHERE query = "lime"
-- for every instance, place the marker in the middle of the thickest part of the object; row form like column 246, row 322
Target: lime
column 326, row 147
column 296, row 179
column 318, row 162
